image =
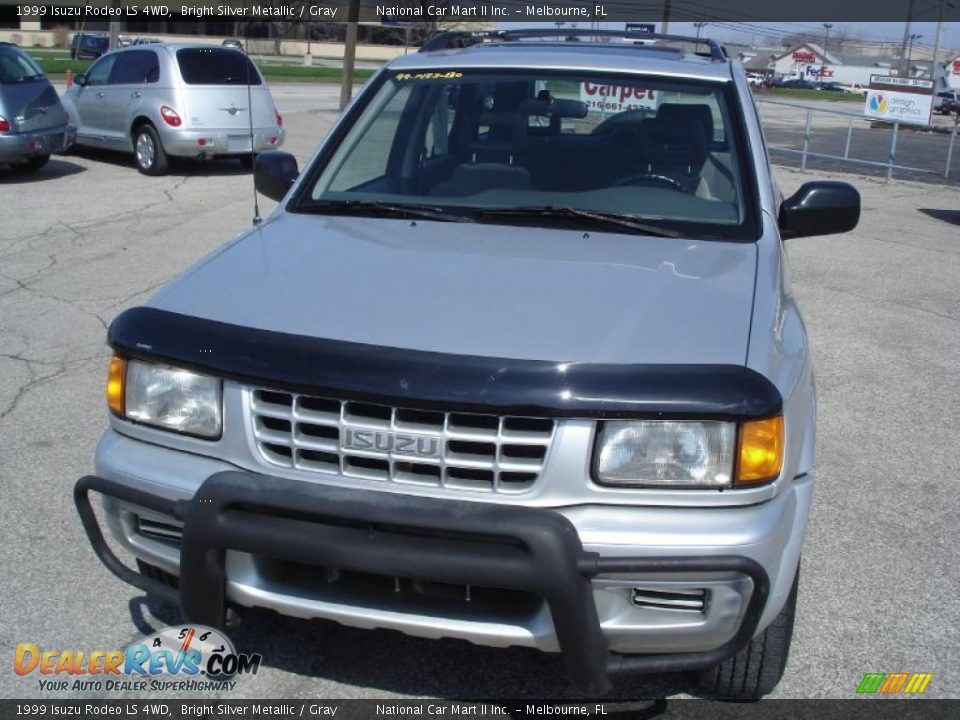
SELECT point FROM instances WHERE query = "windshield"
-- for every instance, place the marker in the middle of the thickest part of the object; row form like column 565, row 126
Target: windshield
column 16, row 67
column 576, row 149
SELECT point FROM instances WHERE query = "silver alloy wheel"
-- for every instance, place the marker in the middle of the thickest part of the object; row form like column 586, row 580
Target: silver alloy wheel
column 146, row 152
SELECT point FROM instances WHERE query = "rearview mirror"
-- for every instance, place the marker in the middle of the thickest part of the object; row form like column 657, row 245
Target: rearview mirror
column 274, row 173
column 822, row 207
column 80, row 80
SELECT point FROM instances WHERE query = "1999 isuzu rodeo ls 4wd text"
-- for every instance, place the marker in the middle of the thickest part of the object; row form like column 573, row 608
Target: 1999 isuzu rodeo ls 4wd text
column 514, row 361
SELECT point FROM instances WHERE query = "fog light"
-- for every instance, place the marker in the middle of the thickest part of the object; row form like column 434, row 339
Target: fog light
column 760, row 456
column 201, row 142
column 273, row 140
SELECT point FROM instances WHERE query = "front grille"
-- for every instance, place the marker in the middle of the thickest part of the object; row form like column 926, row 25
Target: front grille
column 156, row 530
column 459, row 451
column 670, row 600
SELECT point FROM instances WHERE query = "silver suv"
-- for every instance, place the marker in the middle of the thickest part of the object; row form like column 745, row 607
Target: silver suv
column 514, row 361
column 160, row 100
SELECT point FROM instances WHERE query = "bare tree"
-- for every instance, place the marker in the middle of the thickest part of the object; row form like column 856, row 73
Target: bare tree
column 281, row 30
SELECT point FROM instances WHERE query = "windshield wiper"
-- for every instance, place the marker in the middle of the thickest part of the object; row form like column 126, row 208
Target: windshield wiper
column 375, row 208
column 601, row 218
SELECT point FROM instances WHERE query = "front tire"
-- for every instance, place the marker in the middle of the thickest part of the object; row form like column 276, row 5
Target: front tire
column 148, row 151
column 756, row 670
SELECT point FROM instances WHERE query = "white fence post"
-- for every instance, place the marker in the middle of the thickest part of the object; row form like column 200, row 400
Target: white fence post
column 806, row 141
column 893, row 151
column 953, row 137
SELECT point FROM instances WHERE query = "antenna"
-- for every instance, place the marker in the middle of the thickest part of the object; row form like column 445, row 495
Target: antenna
column 253, row 156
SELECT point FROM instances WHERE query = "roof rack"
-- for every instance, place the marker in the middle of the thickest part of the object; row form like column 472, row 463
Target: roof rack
column 466, row 38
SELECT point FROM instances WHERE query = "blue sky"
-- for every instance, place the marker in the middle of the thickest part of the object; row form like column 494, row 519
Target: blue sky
column 870, row 30
column 749, row 32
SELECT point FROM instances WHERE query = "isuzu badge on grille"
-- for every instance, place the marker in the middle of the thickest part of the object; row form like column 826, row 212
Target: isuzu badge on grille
column 389, row 442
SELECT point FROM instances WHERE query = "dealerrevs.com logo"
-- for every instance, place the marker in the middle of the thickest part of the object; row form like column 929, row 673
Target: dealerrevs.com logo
column 894, row 683
column 177, row 658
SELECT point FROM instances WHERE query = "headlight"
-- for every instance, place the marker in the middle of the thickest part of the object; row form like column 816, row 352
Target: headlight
column 166, row 397
column 663, row 453
column 688, row 454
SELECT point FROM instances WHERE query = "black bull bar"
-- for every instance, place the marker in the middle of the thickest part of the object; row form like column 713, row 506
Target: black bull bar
column 470, row 543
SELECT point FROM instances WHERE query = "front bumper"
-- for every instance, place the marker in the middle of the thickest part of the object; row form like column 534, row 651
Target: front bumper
column 218, row 142
column 23, row 146
column 532, row 550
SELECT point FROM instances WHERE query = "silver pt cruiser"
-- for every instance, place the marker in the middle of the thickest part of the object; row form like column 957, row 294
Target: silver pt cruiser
column 166, row 99
column 33, row 124
column 515, row 361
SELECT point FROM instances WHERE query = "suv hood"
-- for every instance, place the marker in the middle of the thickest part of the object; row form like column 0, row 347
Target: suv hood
column 480, row 289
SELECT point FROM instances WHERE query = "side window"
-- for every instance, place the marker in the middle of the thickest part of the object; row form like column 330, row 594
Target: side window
column 135, row 67
column 99, row 74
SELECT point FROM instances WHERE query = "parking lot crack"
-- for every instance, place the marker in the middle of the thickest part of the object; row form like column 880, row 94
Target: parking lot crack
column 169, row 193
column 35, row 381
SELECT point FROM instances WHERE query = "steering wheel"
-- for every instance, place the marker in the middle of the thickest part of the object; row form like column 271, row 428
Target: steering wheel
column 652, row 179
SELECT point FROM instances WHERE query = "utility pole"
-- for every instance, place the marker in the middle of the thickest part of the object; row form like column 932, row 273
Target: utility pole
column 906, row 36
column 826, row 37
column 915, row 36
column 699, row 26
column 935, row 68
column 665, row 26
column 349, row 53
column 114, row 28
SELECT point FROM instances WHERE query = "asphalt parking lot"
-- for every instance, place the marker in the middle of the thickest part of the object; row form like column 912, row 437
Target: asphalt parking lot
column 88, row 237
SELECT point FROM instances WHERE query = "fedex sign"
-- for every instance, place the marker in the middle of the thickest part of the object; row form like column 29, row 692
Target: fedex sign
column 616, row 98
column 818, row 72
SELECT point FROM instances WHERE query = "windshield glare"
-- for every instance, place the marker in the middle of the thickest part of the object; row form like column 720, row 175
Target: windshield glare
column 659, row 150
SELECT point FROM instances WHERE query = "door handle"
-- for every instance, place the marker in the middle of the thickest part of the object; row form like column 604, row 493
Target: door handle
column 99, row 94
column 135, row 94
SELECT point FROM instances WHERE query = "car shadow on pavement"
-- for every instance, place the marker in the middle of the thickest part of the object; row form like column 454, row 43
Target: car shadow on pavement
column 56, row 167
column 178, row 166
column 394, row 663
column 947, row 216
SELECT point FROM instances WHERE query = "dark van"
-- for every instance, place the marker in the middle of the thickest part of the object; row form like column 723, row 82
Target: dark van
column 88, row 46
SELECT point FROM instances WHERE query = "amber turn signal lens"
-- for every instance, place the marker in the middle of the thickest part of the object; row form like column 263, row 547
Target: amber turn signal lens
column 116, row 378
column 761, row 451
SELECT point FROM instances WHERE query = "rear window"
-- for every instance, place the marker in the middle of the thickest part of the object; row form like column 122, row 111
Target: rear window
column 16, row 67
column 216, row 66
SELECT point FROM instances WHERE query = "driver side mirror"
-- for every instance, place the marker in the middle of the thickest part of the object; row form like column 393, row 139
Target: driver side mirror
column 274, row 173
column 80, row 79
column 822, row 207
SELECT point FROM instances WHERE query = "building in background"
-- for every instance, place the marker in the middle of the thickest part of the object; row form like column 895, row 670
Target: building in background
column 810, row 62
